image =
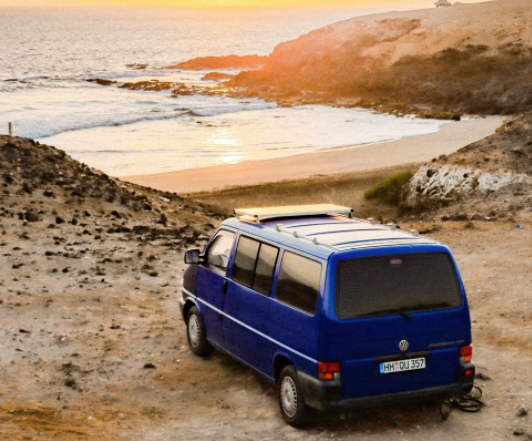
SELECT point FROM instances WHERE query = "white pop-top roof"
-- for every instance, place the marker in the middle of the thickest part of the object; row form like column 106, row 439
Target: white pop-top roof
column 292, row 211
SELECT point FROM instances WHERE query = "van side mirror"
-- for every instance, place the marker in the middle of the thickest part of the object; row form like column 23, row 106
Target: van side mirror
column 192, row 257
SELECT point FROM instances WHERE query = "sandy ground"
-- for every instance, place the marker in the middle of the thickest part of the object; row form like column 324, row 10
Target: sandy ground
column 94, row 348
column 409, row 150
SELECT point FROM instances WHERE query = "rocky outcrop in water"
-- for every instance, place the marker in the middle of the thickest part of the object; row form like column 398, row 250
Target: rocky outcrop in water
column 227, row 62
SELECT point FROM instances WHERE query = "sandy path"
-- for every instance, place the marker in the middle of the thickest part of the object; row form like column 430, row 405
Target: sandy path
column 409, row 150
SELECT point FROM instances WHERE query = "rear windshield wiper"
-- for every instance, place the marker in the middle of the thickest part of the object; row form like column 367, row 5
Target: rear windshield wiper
column 428, row 306
column 387, row 311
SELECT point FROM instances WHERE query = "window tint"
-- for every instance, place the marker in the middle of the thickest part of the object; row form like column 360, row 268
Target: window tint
column 245, row 259
column 219, row 252
column 383, row 285
column 265, row 268
column 298, row 282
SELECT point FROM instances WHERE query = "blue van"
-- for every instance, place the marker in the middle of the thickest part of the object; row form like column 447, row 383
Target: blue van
column 339, row 312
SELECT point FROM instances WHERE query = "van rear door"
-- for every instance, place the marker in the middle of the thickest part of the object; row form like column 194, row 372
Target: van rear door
column 397, row 321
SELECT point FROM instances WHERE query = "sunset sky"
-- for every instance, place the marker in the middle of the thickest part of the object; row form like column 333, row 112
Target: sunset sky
column 226, row 3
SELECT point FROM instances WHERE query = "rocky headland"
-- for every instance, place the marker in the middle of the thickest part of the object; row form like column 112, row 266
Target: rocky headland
column 469, row 58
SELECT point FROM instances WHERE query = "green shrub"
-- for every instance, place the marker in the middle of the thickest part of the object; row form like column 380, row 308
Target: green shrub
column 389, row 190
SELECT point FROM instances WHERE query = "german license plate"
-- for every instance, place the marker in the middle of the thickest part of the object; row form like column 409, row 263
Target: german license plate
column 391, row 367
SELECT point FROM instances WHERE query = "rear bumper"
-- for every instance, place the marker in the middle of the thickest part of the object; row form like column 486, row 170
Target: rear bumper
column 322, row 395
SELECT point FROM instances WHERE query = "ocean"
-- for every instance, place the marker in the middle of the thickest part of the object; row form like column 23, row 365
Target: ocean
column 47, row 56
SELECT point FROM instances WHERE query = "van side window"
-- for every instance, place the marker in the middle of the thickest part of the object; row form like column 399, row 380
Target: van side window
column 265, row 268
column 220, row 251
column 245, row 260
column 298, row 282
column 254, row 264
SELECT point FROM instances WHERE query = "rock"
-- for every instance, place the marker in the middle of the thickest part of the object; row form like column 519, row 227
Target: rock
column 477, row 217
column 519, row 432
column 227, row 62
column 59, row 220
column 137, row 66
column 459, row 217
column 482, row 376
column 522, row 412
column 149, row 366
column 31, row 216
column 217, row 76
column 71, row 383
column 102, row 82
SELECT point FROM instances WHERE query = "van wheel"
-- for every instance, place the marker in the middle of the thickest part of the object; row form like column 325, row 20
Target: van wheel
column 291, row 401
column 196, row 333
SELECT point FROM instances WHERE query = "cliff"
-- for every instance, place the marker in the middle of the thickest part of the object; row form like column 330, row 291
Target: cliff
column 473, row 58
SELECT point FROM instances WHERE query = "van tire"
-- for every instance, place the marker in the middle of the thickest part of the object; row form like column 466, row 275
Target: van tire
column 197, row 340
column 291, row 401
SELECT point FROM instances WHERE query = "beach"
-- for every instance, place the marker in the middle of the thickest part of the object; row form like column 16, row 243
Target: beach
column 410, row 150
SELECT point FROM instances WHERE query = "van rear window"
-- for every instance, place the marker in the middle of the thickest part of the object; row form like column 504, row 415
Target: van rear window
column 392, row 284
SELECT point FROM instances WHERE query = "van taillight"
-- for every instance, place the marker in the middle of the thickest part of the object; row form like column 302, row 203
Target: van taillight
column 466, row 354
column 326, row 371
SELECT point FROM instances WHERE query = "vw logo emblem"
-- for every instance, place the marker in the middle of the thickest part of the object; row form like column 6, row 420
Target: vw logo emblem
column 403, row 345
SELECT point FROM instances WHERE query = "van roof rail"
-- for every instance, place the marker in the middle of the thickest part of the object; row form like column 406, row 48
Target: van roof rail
column 259, row 213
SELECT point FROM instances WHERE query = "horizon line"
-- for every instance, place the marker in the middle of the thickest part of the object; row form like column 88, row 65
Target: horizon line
column 221, row 7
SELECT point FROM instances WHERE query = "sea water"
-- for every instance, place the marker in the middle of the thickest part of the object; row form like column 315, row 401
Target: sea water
column 47, row 56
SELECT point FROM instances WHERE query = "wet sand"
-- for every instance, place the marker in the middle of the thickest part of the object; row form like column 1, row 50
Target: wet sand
column 416, row 149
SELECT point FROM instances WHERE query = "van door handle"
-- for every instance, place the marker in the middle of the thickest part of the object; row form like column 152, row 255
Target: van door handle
column 224, row 287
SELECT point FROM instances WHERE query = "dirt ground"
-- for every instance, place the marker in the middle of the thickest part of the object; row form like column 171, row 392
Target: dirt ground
column 92, row 343
column 104, row 357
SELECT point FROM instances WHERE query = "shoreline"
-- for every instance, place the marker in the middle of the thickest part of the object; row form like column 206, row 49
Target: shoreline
column 356, row 158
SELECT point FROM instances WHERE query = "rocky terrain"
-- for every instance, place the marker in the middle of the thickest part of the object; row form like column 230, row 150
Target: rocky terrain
column 93, row 347
column 85, row 259
column 469, row 58
column 492, row 177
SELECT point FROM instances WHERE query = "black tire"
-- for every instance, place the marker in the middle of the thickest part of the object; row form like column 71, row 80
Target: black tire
column 291, row 402
column 197, row 341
